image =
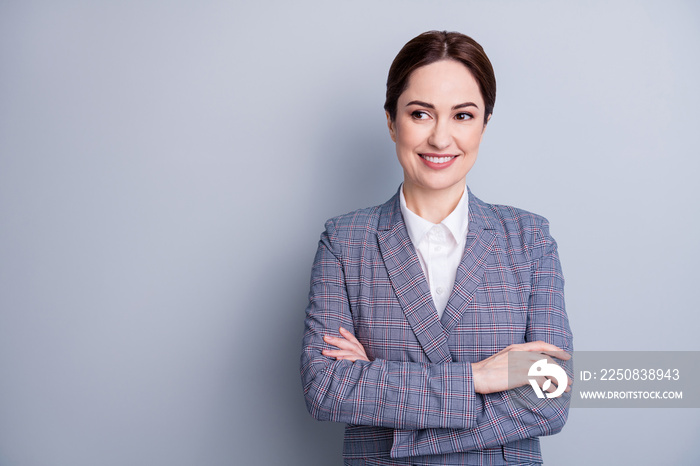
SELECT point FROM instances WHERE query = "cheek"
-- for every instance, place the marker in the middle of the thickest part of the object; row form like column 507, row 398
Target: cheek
column 409, row 136
column 471, row 140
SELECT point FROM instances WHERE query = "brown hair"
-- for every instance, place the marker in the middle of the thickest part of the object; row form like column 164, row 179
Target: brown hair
column 433, row 46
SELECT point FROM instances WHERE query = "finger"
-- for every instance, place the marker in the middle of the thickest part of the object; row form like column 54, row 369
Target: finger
column 555, row 386
column 563, row 355
column 342, row 354
column 568, row 378
column 350, row 337
column 342, row 343
column 524, row 359
column 542, row 347
column 513, row 347
column 347, row 334
column 553, row 361
column 339, row 353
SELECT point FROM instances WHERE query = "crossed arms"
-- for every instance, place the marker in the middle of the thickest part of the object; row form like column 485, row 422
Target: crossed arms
column 459, row 406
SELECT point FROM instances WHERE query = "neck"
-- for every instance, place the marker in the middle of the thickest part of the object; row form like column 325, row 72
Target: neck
column 432, row 205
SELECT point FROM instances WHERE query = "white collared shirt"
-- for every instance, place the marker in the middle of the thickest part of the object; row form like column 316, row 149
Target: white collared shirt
column 439, row 247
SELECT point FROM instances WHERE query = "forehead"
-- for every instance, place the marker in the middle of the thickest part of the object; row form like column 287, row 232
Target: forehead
column 443, row 81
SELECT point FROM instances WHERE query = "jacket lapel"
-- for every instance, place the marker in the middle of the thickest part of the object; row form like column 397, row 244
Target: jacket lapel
column 409, row 282
column 481, row 239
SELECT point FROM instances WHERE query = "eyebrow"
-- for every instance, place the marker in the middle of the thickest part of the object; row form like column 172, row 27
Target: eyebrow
column 427, row 105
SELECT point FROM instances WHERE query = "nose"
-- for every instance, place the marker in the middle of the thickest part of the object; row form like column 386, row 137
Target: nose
column 440, row 138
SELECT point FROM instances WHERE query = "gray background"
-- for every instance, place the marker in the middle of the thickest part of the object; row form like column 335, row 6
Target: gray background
column 166, row 169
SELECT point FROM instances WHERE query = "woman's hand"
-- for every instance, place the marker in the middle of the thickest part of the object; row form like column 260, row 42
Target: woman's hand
column 496, row 374
column 350, row 348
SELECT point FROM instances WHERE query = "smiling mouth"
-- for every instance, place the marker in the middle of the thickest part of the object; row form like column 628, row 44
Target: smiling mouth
column 437, row 158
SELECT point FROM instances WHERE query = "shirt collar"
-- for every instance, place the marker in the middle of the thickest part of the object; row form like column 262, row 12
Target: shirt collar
column 457, row 222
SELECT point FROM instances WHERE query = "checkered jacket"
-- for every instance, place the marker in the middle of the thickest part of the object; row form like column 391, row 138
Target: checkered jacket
column 414, row 403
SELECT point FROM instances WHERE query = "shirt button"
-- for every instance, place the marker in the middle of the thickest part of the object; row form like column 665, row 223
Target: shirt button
column 439, row 290
column 438, row 248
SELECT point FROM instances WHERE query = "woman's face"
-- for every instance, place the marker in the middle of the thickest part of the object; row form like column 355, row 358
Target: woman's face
column 438, row 127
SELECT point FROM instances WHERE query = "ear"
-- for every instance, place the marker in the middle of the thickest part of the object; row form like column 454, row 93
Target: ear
column 392, row 127
column 488, row 118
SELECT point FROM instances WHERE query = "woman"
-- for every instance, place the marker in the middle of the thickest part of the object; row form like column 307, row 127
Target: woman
column 416, row 304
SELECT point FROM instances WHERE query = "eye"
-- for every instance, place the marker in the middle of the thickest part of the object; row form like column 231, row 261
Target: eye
column 419, row 115
column 464, row 116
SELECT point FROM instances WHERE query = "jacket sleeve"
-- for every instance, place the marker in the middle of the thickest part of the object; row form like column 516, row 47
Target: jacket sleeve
column 515, row 414
column 405, row 395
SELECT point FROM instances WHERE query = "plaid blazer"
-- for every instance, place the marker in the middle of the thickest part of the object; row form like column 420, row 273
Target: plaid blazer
column 414, row 403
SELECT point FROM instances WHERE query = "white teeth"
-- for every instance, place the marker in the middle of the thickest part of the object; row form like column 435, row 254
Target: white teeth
column 438, row 159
